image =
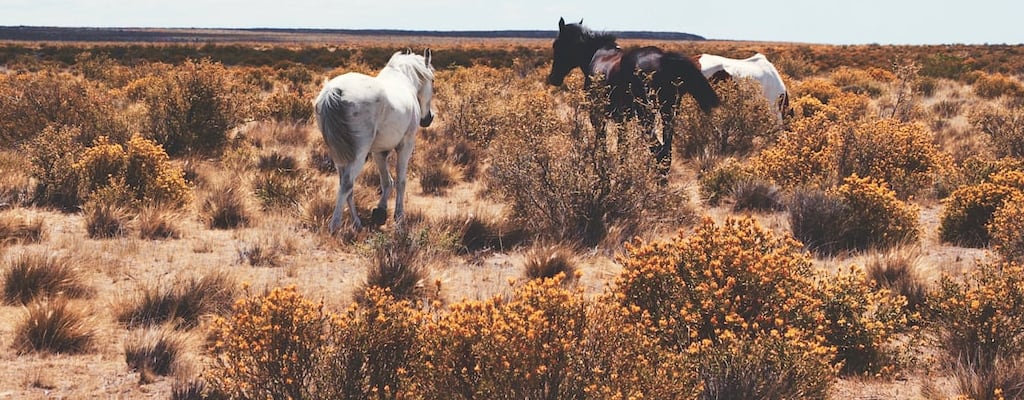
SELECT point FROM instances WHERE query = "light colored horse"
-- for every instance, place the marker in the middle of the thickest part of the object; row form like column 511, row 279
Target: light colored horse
column 360, row 115
column 757, row 67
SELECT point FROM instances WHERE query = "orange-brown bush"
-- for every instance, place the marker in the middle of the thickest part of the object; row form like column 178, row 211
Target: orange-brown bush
column 995, row 85
column 562, row 183
column 32, row 101
column 193, row 107
column 1004, row 127
column 1007, row 229
column 737, row 299
column 53, row 153
column 901, row 154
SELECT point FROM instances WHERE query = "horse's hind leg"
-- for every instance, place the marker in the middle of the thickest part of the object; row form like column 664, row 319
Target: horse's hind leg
column 380, row 214
column 346, row 183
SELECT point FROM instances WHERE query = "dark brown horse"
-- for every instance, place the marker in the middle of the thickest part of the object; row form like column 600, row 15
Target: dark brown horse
column 634, row 77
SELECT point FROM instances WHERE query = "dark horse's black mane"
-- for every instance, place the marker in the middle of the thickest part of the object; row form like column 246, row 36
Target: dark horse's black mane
column 635, row 77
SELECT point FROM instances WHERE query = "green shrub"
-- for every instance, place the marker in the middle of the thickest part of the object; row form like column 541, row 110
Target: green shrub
column 53, row 153
column 744, row 121
column 968, row 210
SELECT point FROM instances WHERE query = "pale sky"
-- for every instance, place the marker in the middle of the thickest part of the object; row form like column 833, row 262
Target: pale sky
column 809, row 21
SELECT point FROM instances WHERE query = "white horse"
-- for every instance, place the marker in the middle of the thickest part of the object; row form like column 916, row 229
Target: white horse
column 360, row 115
column 757, row 67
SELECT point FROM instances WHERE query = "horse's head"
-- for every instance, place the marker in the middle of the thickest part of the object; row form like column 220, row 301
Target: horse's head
column 569, row 51
column 426, row 93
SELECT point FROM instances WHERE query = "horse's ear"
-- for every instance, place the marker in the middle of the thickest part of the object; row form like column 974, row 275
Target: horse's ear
column 427, row 54
column 561, row 23
column 581, row 21
column 408, row 50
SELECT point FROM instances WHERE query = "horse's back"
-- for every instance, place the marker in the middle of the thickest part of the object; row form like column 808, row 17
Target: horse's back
column 756, row 67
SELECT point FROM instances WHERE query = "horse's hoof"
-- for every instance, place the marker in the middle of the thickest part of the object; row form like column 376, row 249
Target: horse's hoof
column 379, row 216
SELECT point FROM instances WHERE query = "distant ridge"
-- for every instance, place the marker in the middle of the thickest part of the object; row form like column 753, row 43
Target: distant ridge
column 204, row 35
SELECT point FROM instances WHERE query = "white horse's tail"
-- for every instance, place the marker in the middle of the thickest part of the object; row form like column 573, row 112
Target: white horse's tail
column 330, row 110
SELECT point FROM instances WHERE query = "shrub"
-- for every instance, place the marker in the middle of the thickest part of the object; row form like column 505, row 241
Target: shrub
column 33, row 101
column 991, row 86
column 478, row 109
column 980, row 329
column 1004, row 127
column 31, row 275
column 371, row 349
column 142, row 169
column 281, row 189
column 182, row 304
column 863, row 323
column 756, row 194
column 437, row 177
column 563, row 184
column 726, row 290
column 193, row 108
column 901, row 154
column 481, row 231
column 271, row 345
column 54, row 326
column 1006, row 229
column 721, row 180
column 968, row 212
column 288, row 107
column 859, row 215
column 744, row 121
column 53, row 153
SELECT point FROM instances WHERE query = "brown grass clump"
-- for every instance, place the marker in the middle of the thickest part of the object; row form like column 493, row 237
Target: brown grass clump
column 54, row 326
column 156, row 222
column 104, row 220
column 436, row 178
column 182, row 303
column 398, row 265
column 227, row 207
column 31, row 275
column 15, row 228
column 900, row 271
column 755, row 194
column 155, row 351
column 547, row 262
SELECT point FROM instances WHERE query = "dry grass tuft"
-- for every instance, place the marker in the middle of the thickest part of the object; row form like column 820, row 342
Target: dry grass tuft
column 104, row 221
column 155, row 222
column 900, row 270
column 31, row 275
column 549, row 261
column 398, row 265
column 227, row 207
column 155, row 351
column 16, row 228
column 182, row 304
column 436, row 178
column 54, row 326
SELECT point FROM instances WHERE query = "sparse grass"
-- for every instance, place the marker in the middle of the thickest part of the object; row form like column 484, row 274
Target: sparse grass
column 227, row 207
column 156, row 222
column 398, row 265
column 31, row 275
column 549, row 261
column 155, row 351
column 481, row 231
column 182, row 304
column 1003, row 381
column 54, row 326
column 104, row 220
column 16, row 228
column 436, row 178
column 899, row 270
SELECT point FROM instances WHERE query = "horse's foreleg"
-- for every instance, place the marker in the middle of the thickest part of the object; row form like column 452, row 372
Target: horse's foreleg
column 664, row 154
column 401, row 173
column 380, row 214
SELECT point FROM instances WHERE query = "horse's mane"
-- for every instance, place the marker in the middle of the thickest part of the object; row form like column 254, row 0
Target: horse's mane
column 603, row 39
column 412, row 65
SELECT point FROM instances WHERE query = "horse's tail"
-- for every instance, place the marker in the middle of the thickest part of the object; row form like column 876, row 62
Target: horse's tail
column 330, row 118
column 694, row 81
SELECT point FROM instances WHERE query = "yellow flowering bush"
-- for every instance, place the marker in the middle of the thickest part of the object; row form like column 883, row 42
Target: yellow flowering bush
column 979, row 325
column 875, row 218
column 140, row 165
column 371, row 348
column 862, row 322
column 270, row 347
column 1007, row 229
column 1004, row 127
column 744, row 121
column 726, row 290
column 968, row 210
column 902, row 154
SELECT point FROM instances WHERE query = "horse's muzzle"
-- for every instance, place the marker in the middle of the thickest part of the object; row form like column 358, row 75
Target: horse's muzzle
column 426, row 120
